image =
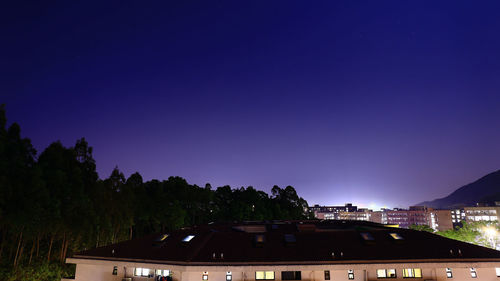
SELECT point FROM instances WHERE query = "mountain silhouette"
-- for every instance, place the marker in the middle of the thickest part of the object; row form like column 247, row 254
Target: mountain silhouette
column 483, row 190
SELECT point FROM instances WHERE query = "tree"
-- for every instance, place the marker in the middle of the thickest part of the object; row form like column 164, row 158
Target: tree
column 422, row 228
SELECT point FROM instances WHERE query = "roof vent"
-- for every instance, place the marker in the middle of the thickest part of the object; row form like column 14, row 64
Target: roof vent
column 306, row 227
column 222, row 255
column 451, row 252
column 459, row 252
column 250, row 228
column 213, row 256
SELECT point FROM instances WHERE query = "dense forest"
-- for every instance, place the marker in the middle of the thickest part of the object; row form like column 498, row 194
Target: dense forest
column 53, row 204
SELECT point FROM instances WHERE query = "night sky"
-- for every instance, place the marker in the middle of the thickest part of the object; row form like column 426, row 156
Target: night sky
column 378, row 103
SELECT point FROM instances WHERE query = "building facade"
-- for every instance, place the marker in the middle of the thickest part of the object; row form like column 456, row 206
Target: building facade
column 485, row 213
column 292, row 250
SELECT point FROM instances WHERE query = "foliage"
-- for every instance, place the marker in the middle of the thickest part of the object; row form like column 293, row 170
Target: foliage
column 37, row 272
column 421, row 228
column 54, row 204
column 473, row 233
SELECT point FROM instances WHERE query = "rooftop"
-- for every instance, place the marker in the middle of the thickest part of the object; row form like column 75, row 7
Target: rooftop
column 286, row 242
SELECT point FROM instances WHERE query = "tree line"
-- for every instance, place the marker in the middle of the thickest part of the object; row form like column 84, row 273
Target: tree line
column 53, row 204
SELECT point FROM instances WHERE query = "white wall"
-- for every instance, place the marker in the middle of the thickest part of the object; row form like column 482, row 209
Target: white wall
column 95, row 270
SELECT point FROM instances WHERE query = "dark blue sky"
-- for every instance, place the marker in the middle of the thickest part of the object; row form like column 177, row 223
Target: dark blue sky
column 371, row 102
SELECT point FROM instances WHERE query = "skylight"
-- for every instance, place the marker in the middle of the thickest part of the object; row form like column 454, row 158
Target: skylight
column 260, row 238
column 188, row 238
column 290, row 238
column 396, row 236
column 162, row 238
column 367, row 236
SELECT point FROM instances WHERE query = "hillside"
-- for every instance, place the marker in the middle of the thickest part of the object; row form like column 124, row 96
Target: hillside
column 485, row 189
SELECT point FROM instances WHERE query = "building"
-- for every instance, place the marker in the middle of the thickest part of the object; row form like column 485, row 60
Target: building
column 332, row 212
column 398, row 217
column 288, row 250
column 483, row 213
column 457, row 217
column 442, row 220
column 359, row 215
column 439, row 220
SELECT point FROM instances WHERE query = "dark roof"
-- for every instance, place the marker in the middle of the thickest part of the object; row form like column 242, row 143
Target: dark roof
column 270, row 242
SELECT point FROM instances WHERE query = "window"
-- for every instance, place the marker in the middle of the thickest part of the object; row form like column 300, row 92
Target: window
column 412, row 273
column 396, row 236
column 448, row 273
column 264, row 275
column 350, row 274
column 229, row 276
column 498, row 271
column 290, row 238
column 367, row 236
column 381, row 273
column 204, row 276
column 473, row 272
column 115, row 270
column 163, row 272
column 291, row 275
column 144, row 272
column 188, row 238
column 327, row 274
column 386, row 273
column 260, row 238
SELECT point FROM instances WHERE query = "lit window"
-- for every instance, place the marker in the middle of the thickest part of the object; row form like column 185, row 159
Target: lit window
column 473, row 273
column 264, row 275
column 381, row 273
column 229, row 276
column 412, row 272
column 144, row 272
column 163, row 272
column 115, row 270
column 291, row 275
column 327, row 274
column 396, row 236
column 498, row 271
column 386, row 273
column 350, row 274
column 204, row 276
column 188, row 238
column 448, row 273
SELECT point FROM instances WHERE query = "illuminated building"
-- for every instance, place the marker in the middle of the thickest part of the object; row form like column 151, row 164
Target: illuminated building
column 486, row 214
column 288, row 250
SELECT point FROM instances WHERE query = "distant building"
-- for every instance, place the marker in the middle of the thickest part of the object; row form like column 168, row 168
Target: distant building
column 398, row 217
column 439, row 220
column 359, row 215
column 288, row 250
column 484, row 213
column 331, row 212
column 442, row 220
column 457, row 216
